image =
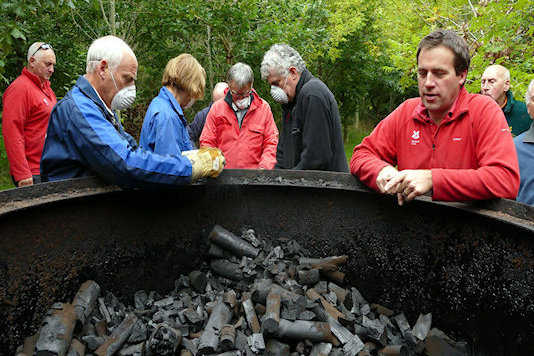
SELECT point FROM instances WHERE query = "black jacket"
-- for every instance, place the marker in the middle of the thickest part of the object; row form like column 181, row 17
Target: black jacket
column 311, row 129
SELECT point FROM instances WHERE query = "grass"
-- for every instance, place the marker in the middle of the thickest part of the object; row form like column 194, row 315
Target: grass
column 355, row 136
column 5, row 178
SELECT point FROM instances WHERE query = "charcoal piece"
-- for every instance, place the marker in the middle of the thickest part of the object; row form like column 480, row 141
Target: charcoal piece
column 365, row 309
column 307, row 315
column 164, row 302
column 192, row 316
column 271, row 319
column 77, row 348
column 394, row 350
column 293, row 248
column 104, row 310
column 353, row 347
column 231, row 242
column 321, row 287
column 139, row 333
column 439, row 344
column 221, row 314
column 85, row 300
column 289, row 310
column 29, row 344
column 256, row 342
column 321, row 349
column 300, row 347
column 331, row 309
column 189, row 345
column 93, row 342
column 101, row 328
column 276, row 348
column 241, row 341
column 56, row 330
column 300, row 330
column 260, row 310
column 308, row 277
column 252, row 318
column 118, row 337
column 369, row 349
column 250, row 236
column 230, row 353
column 337, row 352
column 343, row 295
column 217, row 251
column 227, row 337
column 422, row 326
column 375, row 330
column 133, row 350
column 184, row 352
column 342, row 333
column 380, row 309
column 278, row 252
column 348, row 318
column 227, row 269
column 164, row 340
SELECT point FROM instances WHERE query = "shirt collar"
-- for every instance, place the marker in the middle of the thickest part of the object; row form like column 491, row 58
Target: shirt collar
column 529, row 135
column 35, row 78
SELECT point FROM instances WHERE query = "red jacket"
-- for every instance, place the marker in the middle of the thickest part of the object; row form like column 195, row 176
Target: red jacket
column 471, row 153
column 27, row 108
column 251, row 146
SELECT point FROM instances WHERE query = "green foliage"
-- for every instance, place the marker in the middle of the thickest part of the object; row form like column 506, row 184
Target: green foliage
column 5, row 178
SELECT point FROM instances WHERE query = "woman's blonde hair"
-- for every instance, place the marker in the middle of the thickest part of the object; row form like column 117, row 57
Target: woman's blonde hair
column 185, row 73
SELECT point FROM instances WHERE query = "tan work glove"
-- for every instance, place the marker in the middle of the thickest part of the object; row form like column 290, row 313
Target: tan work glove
column 206, row 162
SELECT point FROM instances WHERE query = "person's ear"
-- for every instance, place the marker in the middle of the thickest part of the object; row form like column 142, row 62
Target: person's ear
column 102, row 68
column 507, row 85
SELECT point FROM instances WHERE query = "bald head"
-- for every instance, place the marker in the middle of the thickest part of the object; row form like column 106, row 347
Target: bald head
column 41, row 60
column 495, row 82
column 218, row 91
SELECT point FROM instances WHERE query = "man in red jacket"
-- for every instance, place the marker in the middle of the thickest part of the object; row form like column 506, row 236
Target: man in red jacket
column 27, row 103
column 449, row 143
column 242, row 125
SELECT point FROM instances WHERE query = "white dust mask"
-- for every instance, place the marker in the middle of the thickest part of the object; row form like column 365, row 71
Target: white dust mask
column 243, row 103
column 124, row 97
column 278, row 94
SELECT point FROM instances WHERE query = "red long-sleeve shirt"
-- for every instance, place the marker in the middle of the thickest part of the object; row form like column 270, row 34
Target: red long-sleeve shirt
column 27, row 107
column 471, row 152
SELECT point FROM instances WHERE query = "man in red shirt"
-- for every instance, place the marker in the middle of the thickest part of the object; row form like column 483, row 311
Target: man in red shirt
column 27, row 103
column 242, row 125
column 451, row 144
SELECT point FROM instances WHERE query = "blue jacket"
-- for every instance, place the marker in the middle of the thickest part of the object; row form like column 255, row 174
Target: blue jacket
column 84, row 138
column 195, row 128
column 164, row 129
column 524, row 145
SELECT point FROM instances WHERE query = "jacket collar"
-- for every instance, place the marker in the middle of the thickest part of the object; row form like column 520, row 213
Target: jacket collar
column 305, row 77
column 509, row 102
column 529, row 135
column 166, row 95
column 34, row 78
column 88, row 90
column 458, row 108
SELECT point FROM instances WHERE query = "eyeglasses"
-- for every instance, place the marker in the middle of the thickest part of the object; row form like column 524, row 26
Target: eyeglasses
column 238, row 96
column 43, row 46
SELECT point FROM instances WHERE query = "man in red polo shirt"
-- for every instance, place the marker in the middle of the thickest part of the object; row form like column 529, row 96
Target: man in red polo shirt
column 451, row 144
column 27, row 103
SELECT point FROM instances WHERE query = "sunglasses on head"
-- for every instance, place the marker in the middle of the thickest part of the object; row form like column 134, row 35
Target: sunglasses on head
column 43, row 46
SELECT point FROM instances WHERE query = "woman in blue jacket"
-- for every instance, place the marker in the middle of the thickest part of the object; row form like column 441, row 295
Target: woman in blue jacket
column 164, row 128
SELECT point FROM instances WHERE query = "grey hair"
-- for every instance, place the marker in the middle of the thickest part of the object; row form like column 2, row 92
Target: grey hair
column 241, row 74
column 279, row 58
column 529, row 92
column 109, row 48
column 33, row 48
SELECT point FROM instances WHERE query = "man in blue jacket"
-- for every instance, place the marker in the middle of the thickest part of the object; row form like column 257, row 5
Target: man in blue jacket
column 524, row 145
column 85, row 137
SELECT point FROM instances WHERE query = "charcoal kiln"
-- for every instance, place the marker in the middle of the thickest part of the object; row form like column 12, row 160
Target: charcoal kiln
column 470, row 265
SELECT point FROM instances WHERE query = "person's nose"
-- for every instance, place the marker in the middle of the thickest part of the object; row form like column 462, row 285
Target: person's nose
column 429, row 81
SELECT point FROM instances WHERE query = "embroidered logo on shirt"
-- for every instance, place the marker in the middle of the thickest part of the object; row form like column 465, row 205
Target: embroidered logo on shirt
column 457, row 139
column 46, row 101
column 415, row 137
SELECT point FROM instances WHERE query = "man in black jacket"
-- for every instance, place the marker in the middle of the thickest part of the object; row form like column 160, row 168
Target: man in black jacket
column 311, row 127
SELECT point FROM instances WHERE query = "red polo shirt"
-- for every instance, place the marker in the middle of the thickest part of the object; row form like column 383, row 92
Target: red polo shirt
column 27, row 106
